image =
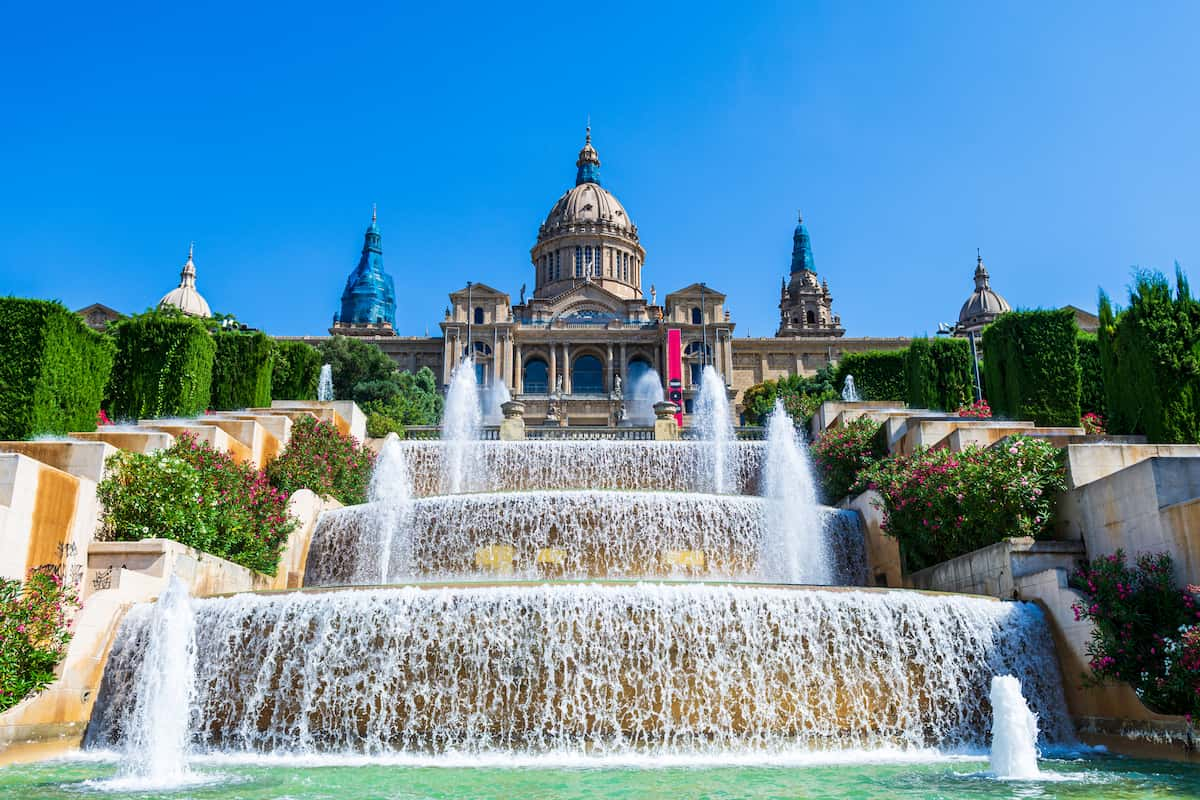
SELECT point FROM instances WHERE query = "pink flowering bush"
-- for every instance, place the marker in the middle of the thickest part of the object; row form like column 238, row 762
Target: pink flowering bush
column 941, row 504
column 842, row 453
column 199, row 497
column 977, row 410
column 1147, row 630
column 34, row 633
column 1092, row 424
column 321, row 458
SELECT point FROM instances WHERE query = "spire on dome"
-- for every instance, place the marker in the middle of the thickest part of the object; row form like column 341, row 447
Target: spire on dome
column 589, row 161
column 187, row 276
column 981, row 274
column 802, row 257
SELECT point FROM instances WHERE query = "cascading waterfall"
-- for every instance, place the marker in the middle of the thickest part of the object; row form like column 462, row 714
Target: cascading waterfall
column 795, row 545
column 577, row 534
column 494, row 397
column 156, row 717
column 641, row 397
column 1014, row 731
column 656, row 668
column 325, row 384
column 461, row 427
column 714, row 423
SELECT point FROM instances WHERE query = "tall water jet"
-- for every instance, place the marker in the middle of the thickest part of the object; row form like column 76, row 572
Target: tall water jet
column 1014, row 731
column 325, row 384
column 645, row 392
column 461, row 427
column 849, row 392
column 714, row 423
column 390, row 492
column 494, row 397
column 795, row 549
column 159, row 732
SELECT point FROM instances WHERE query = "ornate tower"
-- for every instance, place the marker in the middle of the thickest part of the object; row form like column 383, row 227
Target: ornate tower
column 369, row 300
column 805, row 305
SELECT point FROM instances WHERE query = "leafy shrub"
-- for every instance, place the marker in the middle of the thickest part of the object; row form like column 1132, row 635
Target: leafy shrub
column 941, row 504
column 296, row 371
column 801, row 396
column 1031, row 359
column 1147, row 630
column 163, row 367
column 841, row 453
column 199, row 497
column 357, row 368
column 1150, row 357
column 878, row 374
column 938, row 373
column 418, row 402
column 34, row 633
column 241, row 375
column 320, row 458
column 1091, row 377
column 53, row 369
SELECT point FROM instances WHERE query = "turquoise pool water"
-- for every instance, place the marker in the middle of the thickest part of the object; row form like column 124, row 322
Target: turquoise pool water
column 1096, row 778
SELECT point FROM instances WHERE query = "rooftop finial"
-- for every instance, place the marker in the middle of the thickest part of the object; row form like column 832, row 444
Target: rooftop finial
column 799, row 216
column 374, row 212
column 589, row 160
column 978, row 257
column 191, row 250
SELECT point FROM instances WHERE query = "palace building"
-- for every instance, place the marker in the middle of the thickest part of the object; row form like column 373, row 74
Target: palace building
column 592, row 324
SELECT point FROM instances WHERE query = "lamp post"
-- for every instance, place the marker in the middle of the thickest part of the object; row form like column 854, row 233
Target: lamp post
column 470, row 313
column 946, row 329
column 704, row 322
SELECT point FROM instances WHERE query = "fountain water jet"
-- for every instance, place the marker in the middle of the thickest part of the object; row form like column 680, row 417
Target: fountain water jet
column 462, row 422
column 795, row 545
column 494, row 397
column 714, row 423
column 645, row 392
column 325, row 384
column 390, row 493
column 1014, row 731
column 849, row 392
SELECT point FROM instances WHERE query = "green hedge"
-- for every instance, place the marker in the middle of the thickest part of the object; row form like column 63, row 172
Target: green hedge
column 53, row 369
column 1150, row 357
column 163, row 367
column 1091, row 377
column 878, row 374
column 296, row 371
column 938, row 374
column 241, row 375
column 1031, row 361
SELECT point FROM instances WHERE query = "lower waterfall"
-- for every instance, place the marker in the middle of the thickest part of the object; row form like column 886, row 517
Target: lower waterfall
column 603, row 669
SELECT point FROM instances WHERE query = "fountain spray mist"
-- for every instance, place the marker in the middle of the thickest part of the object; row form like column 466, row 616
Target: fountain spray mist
column 325, row 384
column 795, row 549
column 715, row 425
column 494, row 397
column 461, row 427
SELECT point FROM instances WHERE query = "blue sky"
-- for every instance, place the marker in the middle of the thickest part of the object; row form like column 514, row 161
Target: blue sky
column 1061, row 138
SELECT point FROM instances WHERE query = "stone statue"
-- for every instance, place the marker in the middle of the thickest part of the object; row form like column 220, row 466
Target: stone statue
column 522, row 294
column 558, row 386
column 617, row 387
column 653, row 295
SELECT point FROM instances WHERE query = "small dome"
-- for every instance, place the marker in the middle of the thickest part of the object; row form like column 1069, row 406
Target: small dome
column 984, row 304
column 588, row 203
column 185, row 297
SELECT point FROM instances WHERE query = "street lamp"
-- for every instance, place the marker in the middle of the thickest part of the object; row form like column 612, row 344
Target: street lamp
column 946, row 329
column 704, row 322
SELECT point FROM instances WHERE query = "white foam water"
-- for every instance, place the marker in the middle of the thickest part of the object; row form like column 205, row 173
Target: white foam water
column 795, row 549
column 714, row 424
column 462, row 424
column 1013, row 753
column 603, row 669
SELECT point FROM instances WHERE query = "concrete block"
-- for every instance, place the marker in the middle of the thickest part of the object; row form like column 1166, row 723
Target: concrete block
column 81, row 459
column 49, row 519
column 131, row 439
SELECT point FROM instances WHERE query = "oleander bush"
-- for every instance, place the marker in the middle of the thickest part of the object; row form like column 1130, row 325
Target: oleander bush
column 878, row 374
column 34, row 632
column 296, row 372
column 1147, row 630
column 1031, row 365
column 841, row 453
column 1150, row 358
column 163, row 367
column 320, row 458
column 940, row 504
column 199, row 497
column 53, row 369
column 242, row 370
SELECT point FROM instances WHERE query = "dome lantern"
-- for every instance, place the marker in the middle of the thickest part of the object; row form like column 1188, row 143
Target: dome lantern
column 588, row 163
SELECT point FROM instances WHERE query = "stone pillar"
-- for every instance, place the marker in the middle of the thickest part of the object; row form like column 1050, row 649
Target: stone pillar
column 624, row 368
column 665, row 427
column 566, row 367
column 553, row 368
column 728, row 349
column 447, row 365
column 512, row 427
column 518, row 375
column 611, row 370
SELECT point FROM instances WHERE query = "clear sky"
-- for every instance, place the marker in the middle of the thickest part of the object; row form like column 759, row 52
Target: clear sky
column 1061, row 138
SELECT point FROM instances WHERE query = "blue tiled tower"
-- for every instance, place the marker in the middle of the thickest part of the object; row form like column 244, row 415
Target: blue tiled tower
column 370, row 295
column 802, row 257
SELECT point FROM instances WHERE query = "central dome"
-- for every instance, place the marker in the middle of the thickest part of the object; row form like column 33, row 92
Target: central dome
column 587, row 203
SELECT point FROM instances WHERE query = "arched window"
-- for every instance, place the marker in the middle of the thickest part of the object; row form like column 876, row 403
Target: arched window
column 697, row 316
column 482, row 349
column 811, row 317
column 536, row 379
column 578, row 261
column 587, row 376
column 478, row 315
